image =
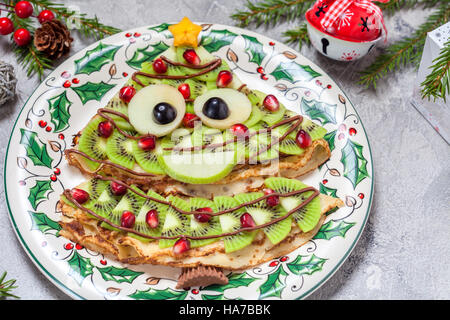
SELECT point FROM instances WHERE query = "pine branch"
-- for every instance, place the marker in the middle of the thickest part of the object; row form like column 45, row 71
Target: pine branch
column 89, row 27
column 393, row 6
column 271, row 11
column 437, row 83
column 404, row 52
column 6, row 287
column 299, row 35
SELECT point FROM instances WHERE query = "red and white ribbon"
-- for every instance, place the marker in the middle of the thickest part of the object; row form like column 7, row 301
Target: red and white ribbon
column 339, row 6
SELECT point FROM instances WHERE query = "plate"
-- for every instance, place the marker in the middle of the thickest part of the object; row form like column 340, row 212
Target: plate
column 36, row 172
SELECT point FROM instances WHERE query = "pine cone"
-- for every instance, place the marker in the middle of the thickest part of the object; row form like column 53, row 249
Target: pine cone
column 53, row 38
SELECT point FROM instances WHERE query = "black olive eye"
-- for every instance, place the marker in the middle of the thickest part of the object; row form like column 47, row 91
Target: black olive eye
column 164, row 113
column 216, row 108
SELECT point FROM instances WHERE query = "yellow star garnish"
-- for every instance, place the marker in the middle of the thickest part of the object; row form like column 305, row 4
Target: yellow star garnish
column 185, row 33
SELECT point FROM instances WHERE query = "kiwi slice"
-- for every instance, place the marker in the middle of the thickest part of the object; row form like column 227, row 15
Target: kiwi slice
column 104, row 204
column 146, row 159
column 260, row 142
column 255, row 117
column 94, row 187
column 175, row 223
column 196, row 87
column 289, row 144
column 315, row 131
column 146, row 67
column 198, row 229
column 190, row 107
column 118, row 105
column 92, row 143
column 129, row 202
column 141, row 224
column 306, row 217
column 119, row 150
column 230, row 222
column 257, row 98
column 262, row 213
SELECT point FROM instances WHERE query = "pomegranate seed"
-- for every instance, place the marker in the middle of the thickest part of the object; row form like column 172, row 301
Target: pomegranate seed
column 79, row 195
column 203, row 217
column 239, row 130
column 273, row 200
column 224, row 78
column 191, row 57
column 189, row 120
column 303, row 139
column 185, row 90
column 147, row 143
column 159, row 66
column 105, row 128
column 247, row 221
column 118, row 189
column 127, row 219
column 182, row 245
column 271, row 103
column 152, row 219
column 127, row 93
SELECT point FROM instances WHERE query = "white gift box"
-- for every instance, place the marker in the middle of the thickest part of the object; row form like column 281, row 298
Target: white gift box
column 436, row 112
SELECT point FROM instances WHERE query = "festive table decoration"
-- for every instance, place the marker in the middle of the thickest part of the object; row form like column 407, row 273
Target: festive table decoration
column 52, row 39
column 6, row 286
column 404, row 52
column 7, row 82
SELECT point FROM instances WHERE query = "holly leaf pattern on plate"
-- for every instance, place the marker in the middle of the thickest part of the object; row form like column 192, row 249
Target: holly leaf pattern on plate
column 160, row 28
column 355, row 165
column 235, row 280
column 36, row 150
column 40, row 221
column 118, row 274
column 328, row 191
column 301, row 266
column 59, row 111
column 80, row 267
column 39, row 192
column 274, row 284
column 317, row 110
column 330, row 138
column 254, row 49
column 92, row 91
column 333, row 229
column 96, row 58
column 216, row 39
column 294, row 72
column 149, row 53
column 165, row 294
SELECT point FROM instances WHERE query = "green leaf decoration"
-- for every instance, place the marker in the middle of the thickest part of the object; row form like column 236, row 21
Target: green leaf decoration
column 36, row 150
column 330, row 138
column 234, row 280
column 274, row 284
column 96, row 58
column 40, row 221
column 301, row 266
column 294, row 72
column 216, row 39
column 213, row 297
column 118, row 274
column 39, row 192
column 355, row 165
column 316, row 110
column 59, row 111
column 80, row 267
column 160, row 28
column 328, row 191
column 92, row 91
column 254, row 49
column 144, row 54
column 333, row 229
column 167, row 294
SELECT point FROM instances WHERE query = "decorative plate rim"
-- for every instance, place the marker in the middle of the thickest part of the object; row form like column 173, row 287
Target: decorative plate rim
column 64, row 288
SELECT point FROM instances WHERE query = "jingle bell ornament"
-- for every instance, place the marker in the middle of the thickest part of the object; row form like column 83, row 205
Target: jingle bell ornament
column 345, row 30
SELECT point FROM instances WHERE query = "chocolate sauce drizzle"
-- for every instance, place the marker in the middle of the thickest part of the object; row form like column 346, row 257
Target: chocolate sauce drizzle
column 67, row 194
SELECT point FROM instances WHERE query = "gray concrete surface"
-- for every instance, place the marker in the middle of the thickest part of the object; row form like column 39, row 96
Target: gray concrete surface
column 404, row 252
